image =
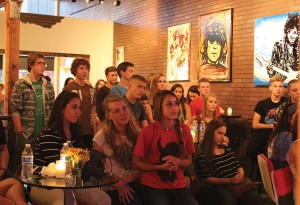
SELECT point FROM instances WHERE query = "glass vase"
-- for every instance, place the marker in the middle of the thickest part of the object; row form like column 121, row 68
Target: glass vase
column 77, row 169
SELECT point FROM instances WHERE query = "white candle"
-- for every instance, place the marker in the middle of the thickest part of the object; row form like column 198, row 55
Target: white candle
column 229, row 111
column 60, row 169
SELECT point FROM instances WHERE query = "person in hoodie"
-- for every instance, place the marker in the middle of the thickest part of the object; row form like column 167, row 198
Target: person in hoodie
column 31, row 102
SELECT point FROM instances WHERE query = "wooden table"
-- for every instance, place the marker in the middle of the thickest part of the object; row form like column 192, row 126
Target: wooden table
column 227, row 117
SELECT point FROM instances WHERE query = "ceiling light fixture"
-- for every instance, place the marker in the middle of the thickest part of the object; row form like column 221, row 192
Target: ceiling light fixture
column 117, row 2
column 101, row 1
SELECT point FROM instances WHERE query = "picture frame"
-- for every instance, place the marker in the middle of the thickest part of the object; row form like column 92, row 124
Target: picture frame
column 215, row 41
column 179, row 55
column 119, row 55
column 276, row 48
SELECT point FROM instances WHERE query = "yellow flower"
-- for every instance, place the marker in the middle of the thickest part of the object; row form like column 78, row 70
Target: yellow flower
column 77, row 154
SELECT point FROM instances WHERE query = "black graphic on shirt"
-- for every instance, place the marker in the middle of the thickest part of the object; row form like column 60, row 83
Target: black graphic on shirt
column 270, row 116
column 171, row 148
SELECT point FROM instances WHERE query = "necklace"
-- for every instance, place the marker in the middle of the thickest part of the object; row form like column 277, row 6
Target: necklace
column 167, row 129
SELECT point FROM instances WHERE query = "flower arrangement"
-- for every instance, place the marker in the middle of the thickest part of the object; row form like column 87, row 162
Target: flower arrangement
column 77, row 155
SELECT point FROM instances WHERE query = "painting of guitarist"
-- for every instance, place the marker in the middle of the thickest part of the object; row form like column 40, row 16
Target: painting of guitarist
column 282, row 57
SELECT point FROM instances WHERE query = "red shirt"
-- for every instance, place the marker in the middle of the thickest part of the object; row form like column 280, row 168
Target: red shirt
column 154, row 143
column 197, row 106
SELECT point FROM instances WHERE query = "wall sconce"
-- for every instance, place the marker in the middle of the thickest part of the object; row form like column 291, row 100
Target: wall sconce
column 101, row 1
column 117, row 2
column 88, row 1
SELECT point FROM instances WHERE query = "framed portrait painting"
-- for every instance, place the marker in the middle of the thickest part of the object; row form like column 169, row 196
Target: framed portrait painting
column 179, row 41
column 215, row 46
column 276, row 48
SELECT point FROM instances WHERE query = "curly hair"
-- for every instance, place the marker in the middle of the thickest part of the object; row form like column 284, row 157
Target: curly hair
column 78, row 62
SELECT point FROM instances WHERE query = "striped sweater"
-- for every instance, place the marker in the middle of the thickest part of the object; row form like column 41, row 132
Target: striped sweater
column 48, row 147
column 223, row 166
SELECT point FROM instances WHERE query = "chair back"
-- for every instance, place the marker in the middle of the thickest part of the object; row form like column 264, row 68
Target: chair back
column 282, row 180
column 266, row 167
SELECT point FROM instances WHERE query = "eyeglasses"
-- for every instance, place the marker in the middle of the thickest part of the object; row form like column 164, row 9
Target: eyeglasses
column 41, row 63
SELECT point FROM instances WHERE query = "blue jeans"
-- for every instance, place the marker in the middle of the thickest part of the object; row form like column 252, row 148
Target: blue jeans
column 155, row 196
column 249, row 198
column 114, row 195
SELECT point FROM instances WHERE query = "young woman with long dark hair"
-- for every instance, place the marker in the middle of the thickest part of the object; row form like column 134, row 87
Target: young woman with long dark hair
column 185, row 114
column 217, row 166
column 62, row 126
column 163, row 150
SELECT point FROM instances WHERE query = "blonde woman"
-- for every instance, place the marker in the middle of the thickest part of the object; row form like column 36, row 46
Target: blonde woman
column 116, row 139
column 209, row 109
column 158, row 83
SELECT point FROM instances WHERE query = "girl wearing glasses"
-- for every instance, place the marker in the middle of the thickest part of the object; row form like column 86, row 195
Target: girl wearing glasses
column 163, row 150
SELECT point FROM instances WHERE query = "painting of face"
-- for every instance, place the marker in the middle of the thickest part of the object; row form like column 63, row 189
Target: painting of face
column 292, row 35
column 276, row 48
column 215, row 46
column 213, row 51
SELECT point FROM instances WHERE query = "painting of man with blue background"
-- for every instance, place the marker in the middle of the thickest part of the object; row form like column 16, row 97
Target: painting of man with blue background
column 276, row 50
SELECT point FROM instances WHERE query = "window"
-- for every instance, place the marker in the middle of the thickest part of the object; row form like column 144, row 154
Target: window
column 46, row 7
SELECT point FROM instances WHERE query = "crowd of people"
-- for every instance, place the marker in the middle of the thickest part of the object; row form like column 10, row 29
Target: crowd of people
column 144, row 130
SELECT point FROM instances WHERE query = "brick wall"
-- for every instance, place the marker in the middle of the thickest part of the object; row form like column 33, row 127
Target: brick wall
column 141, row 27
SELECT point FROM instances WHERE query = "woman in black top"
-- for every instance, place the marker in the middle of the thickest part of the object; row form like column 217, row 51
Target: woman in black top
column 217, row 166
column 62, row 126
